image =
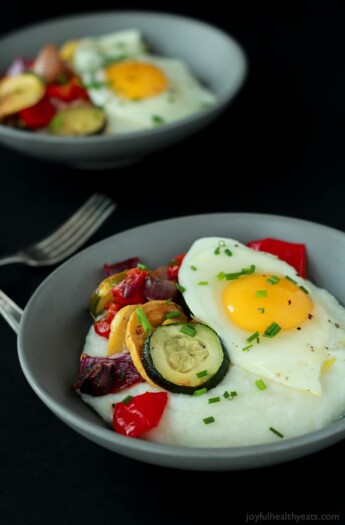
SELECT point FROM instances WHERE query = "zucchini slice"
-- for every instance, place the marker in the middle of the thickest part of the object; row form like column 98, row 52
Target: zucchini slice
column 78, row 121
column 184, row 360
column 103, row 293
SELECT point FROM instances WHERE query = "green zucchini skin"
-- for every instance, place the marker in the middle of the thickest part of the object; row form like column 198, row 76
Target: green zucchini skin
column 163, row 380
column 78, row 121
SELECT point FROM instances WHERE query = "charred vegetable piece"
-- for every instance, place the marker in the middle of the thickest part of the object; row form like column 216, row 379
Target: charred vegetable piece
column 48, row 64
column 141, row 414
column 174, row 266
column 183, row 358
column 118, row 327
column 102, row 326
column 99, row 376
column 78, row 121
column 131, row 289
column 157, row 288
column 19, row 92
column 103, row 293
column 110, row 269
column 292, row 253
column 39, row 115
column 155, row 313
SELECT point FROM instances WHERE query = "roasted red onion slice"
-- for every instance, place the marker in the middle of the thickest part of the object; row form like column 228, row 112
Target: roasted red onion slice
column 121, row 266
column 99, row 376
column 156, row 288
column 17, row 67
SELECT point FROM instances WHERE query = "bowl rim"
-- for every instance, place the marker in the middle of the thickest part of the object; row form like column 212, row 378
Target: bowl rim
column 335, row 430
column 133, row 136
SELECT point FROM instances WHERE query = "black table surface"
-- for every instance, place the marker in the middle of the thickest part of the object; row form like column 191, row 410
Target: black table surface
column 278, row 149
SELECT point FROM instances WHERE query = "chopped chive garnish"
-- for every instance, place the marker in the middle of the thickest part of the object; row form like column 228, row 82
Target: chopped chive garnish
column 252, row 337
column 273, row 279
column 276, row 432
column 142, row 266
column 217, row 251
column 194, row 268
column 188, row 330
column 203, row 283
column 180, row 288
column 221, row 276
column 261, row 293
column 127, row 399
column 143, row 320
column 246, row 348
column 230, row 395
column 214, row 400
column 203, row 373
column 290, row 279
column 226, row 394
column 156, row 119
column 200, row 392
column 233, row 394
column 173, row 262
column 172, row 315
column 260, row 384
column 233, row 276
column 261, row 310
column 208, row 420
column 228, row 252
column 257, row 340
column 169, row 300
column 272, row 330
column 304, row 289
column 248, row 271
column 221, row 244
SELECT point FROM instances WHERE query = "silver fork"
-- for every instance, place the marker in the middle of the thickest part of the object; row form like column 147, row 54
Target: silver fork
column 69, row 237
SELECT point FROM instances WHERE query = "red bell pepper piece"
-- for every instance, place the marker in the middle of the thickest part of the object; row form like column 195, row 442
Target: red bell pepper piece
column 102, row 327
column 140, row 414
column 39, row 115
column 131, row 289
column 67, row 92
column 292, row 253
column 174, row 267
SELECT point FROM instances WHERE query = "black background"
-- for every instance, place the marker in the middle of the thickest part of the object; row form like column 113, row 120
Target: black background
column 277, row 149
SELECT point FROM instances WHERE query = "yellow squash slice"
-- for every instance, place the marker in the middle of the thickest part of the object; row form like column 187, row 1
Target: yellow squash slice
column 155, row 312
column 118, row 327
column 19, row 92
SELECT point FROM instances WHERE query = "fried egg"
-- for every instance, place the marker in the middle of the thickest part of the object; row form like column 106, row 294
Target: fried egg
column 137, row 90
column 272, row 322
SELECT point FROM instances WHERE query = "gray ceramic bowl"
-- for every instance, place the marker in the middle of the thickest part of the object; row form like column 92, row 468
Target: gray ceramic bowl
column 49, row 350
column 214, row 57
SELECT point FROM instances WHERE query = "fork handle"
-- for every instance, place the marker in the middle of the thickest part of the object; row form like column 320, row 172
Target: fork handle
column 17, row 258
column 10, row 311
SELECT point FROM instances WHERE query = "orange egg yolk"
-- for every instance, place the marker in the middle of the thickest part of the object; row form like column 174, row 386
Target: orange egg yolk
column 252, row 303
column 136, row 80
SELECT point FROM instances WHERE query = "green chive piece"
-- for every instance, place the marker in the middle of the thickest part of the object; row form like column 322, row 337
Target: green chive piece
column 217, row 251
column 194, row 268
column 257, row 340
column 246, row 348
column 261, row 310
column 173, row 262
column 304, row 289
column 221, row 276
column 290, row 279
column 203, row 373
column 226, row 394
column 261, row 293
column 273, row 279
column 172, row 315
column 260, row 384
column 156, row 119
column 127, row 399
column 168, row 300
column 143, row 320
column 276, row 432
column 180, row 288
column 252, row 337
column 200, row 392
column 272, row 330
column 214, row 400
column 233, row 276
column 203, row 283
column 142, row 266
column 248, row 271
column 228, row 252
column 208, row 420
column 233, row 394
column 188, row 330
column 221, row 244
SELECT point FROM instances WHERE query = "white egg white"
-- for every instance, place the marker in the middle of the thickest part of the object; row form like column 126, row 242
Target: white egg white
column 183, row 97
column 294, row 357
